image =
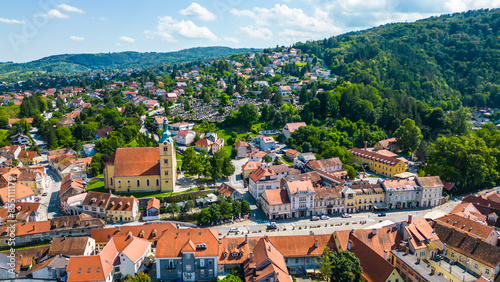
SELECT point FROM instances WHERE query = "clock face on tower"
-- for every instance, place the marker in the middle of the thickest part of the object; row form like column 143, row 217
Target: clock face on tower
column 165, row 143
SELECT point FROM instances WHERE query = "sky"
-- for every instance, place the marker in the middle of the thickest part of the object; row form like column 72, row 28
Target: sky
column 30, row 30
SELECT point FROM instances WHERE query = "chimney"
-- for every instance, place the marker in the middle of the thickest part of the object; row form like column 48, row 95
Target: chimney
column 407, row 250
column 410, row 217
column 60, row 255
column 418, row 260
column 366, row 145
column 315, row 243
column 433, row 271
column 246, row 238
column 386, row 254
column 220, row 241
column 250, row 257
column 129, row 235
column 349, row 245
column 478, row 240
column 374, row 231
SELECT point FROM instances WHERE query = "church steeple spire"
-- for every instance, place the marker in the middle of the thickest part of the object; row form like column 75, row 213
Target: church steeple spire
column 166, row 135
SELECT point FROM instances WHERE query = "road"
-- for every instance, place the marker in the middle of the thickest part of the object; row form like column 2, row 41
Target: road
column 336, row 222
column 54, row 182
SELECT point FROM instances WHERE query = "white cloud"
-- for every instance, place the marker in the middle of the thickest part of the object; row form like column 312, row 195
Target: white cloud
column 69, row 8
column 232, row 40
column 291, row 18
column 11, row 21
column 118, row 44
column 76, row 38
column 54, row 14
column 260, row 32
column 103, row 19
column 199, row 12
column 168, row 29
column 127, row 39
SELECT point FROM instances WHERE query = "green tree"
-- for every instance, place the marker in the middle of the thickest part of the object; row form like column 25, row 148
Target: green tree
column 173, row 208
column 266, row 93
column 187, row 107
column 345, row 267
column 236, row 208
column 245, row 207
column 408, row 136
column 248, row 113
column 227, row 167
column 190, row 162
column 226, row 209
column 203, row 217
column 464, row 160
column 224, row 100
column 189, row 205
column 351, row 171
column 267, row 159
column 325, row 264
column 230, row 278
column 65, row 137
column 139, row 277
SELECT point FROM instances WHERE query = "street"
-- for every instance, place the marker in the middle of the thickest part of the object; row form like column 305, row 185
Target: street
column 54, row 182
column 335, row 222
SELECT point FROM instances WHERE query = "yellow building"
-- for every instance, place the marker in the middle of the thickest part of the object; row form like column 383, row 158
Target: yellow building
column 29, row 157
column 378, row 163
column 363, row 197
column 204, row 144
column 122, row 209
column 143, row 169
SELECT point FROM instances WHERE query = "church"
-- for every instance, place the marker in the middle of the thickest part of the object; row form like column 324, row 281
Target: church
column 143, row 169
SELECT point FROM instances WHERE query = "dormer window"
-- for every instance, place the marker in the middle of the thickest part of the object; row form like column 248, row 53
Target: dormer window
column 225, row 254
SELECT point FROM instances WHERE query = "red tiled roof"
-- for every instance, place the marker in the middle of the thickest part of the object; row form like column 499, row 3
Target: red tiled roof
column 374, row 156
column 150, row 232
column 173, row 241
column 275, row 197
column 136, row 161
column 260, row 172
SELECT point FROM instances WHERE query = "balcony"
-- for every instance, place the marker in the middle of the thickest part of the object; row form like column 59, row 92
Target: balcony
column 302, row 208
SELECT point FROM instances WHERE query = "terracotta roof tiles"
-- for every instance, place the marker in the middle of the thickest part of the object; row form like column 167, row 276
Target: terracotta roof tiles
column 136, row 161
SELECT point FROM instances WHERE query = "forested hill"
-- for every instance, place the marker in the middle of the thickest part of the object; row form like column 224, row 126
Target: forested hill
column 446, row 61
column 122, row 60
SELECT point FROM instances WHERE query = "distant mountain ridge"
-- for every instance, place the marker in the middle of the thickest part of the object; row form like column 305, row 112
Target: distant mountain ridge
column 119, row 60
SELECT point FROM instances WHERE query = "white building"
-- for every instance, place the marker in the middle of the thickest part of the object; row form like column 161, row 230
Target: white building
column 402, row 193
column 432, row 190
column 262, row 179
column 301, row 194
column 185, row 137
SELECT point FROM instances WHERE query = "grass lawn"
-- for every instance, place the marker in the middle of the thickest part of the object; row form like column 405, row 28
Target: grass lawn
column 179, row 158
column 96, row 186
column 287, row 161
column 157, row 194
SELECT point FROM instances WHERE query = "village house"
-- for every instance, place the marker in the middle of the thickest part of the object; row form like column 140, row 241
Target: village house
column 29, row 157
column 290, row 128
column 187, row 254
column 244, row 149
column 228, row 191
column 185, row 137
column 176, row 127
column 262, row 179
column 152, row 209
column 249, row 167
column 301, row 194
column 20, row 139
column 275, row 204
column 386, row 144
column 328, row 200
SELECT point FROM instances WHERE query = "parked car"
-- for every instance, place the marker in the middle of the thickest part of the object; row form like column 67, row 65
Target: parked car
column 234, row 229
column 324, row 217
column 314, row 218
column 44, row 194
column 381, row 214
column 346, row 215
column 272, row 225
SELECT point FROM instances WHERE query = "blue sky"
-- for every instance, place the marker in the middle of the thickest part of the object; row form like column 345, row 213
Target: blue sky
column 34, row 29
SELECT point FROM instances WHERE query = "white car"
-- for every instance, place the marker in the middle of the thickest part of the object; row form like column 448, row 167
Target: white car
column 346, row 215
column 324, row 217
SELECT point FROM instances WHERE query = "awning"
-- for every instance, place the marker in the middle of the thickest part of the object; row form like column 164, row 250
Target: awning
column 410, row 201
column 380, row 206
